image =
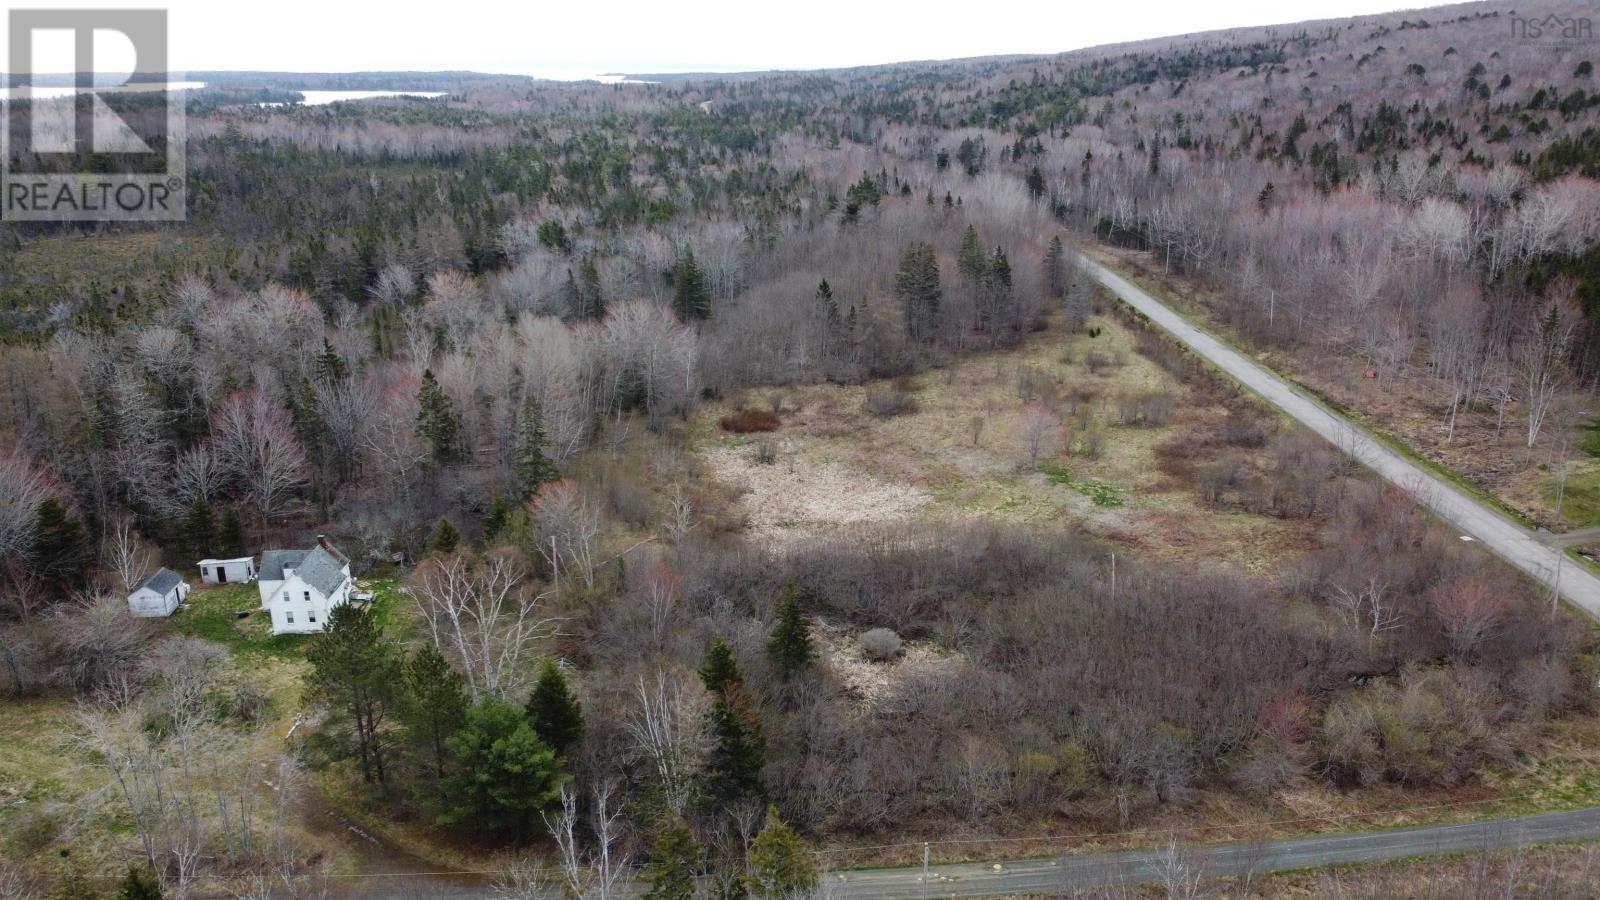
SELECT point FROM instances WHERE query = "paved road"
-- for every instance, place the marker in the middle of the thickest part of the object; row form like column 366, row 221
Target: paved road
column 1518, row 545
column 1036, row 876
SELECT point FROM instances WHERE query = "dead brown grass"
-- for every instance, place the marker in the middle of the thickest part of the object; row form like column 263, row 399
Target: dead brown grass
column 1486, row 448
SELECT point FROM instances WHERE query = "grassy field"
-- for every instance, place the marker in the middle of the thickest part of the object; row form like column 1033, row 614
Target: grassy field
column 964, row 452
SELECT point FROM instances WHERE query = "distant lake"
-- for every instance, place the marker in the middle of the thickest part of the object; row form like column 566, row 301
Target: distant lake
column 322, row 98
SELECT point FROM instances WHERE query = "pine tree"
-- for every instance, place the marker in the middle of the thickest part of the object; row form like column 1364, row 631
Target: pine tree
column 505, row 775
column 554, row 711
column 60, row 554
column 916, row 286
column 437, row 421
column 999, row 298
column 738, row 750
column 790, row 647
column 825, row 297
column 496, row 519
column 446, row 538
column 199, row 531
column 691, row 299
column 571, row 297
column 533, row 466
column 230, row 536
column 330, row 366
column 1055, row 268
column 1264, row 199
column 674, row 861
column 436, row 705
column 780, row 866
column 720, row 670
column 971, row 261
column 140, row 883
column 355, row 676
column 1035, row 182
column 594, row 302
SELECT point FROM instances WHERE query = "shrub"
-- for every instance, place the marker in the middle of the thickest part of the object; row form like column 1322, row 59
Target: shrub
column 881, row 645
column 747, row 421
column 1150, row 410
column 34, row 830
column 886, row 403
column 766, row 453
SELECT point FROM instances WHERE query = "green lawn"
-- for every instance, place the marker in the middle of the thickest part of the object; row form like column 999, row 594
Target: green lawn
column 1581, row 505
column 211, row 614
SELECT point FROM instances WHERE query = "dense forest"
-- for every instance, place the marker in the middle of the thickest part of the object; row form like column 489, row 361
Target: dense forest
column 474, row 340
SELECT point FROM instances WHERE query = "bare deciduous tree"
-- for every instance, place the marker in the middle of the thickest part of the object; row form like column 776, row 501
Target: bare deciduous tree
column 481, row 614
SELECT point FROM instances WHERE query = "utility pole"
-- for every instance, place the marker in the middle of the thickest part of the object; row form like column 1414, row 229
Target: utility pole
column 924, row 870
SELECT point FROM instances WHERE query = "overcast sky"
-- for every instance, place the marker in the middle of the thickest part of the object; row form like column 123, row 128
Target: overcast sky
column 543, row 37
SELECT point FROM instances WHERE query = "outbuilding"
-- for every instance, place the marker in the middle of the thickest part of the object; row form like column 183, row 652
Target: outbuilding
column 158, row 595
column 228, row 571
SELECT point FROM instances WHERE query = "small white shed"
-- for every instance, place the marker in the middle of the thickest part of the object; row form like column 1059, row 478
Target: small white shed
column 158, row 595
column 228, row 571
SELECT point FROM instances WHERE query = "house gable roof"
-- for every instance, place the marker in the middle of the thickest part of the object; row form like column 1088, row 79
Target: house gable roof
column 162, row 581
column 273, row 562
column 320, row 570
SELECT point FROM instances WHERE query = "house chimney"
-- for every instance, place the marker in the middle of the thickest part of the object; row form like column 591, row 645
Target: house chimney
column 322, row 541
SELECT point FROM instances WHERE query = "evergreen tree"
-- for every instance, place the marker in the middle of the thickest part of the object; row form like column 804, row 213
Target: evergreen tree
column 691, row 299
column 199, row 531
column 594, row 302
column 790, row 646
column 825, row 297
column 230, row 536
column 496, row 519
column 738, row 750
column 60, row 554
column 1035, row 180
column 505, row 775
column 354, row 676
column 571, row 297
column 435, row 707
column 533, row 466
column 1264, row 199
column 999, row 299
column 916, row 286
column 720, row 670
column 1055, row 268
column 437, row 421
column 674, row 861
column 140, row 883
column 330, row 366
column 780, row 866
column 554, row 711
column 445, row 538
column 971, row 261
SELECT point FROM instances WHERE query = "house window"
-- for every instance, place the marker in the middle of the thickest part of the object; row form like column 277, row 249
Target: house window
column 311, row 616
column 288, row 616
column 204, row 571
column 308, row 596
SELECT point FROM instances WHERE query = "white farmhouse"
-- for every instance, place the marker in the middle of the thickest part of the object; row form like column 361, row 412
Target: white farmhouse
column 299, row 588
column 158, row 594
column 228, row 571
